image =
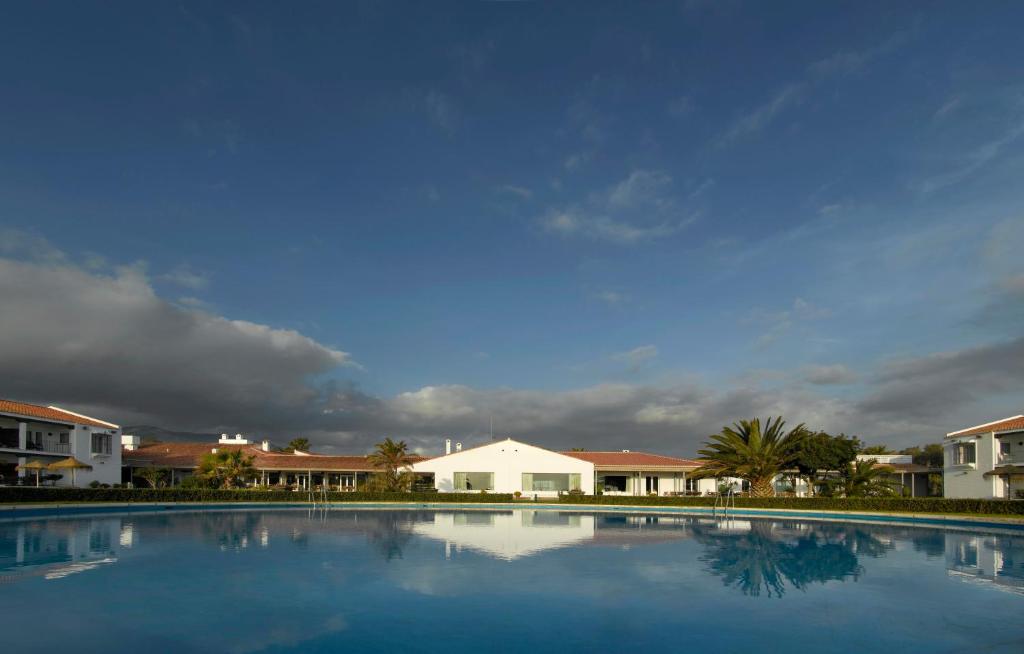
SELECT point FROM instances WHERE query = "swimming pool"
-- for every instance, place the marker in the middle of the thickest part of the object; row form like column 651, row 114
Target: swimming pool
column 454, row 581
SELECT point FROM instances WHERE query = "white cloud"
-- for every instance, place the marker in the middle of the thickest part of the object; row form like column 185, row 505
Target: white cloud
column 637, row 357
column 520, row 191
column 641, row 207
column 183, row 275
column 442, row 110
column 759, row 118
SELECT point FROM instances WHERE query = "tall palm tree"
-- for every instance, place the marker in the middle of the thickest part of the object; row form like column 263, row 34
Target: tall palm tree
column 392, row 459
column 229, row 469
column 749, row 452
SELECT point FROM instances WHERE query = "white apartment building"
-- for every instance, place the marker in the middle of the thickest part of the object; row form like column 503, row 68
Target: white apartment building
column 48, row 434
column 985, row 461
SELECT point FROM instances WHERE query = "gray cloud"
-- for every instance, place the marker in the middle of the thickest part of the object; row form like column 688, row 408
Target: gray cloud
column 106, row 343
column 637, row 357
column 939, row 384
column 827, row 375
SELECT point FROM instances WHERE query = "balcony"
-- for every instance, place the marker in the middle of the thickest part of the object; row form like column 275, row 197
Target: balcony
column 47, row 445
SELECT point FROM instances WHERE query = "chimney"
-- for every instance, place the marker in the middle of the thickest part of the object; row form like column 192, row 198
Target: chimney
column 265, row 446
column 447, row 446
column 458, row 447
column 213, row 450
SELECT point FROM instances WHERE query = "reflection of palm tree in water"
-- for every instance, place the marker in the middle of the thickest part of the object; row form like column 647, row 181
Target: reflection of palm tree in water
column 390, row 534
column 230, row 530
column 764, row 560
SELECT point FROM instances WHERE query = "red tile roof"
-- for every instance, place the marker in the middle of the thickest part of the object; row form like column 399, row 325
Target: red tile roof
column 51, row 413
column 188, row 455
column 1008, row 424
column 611, row 460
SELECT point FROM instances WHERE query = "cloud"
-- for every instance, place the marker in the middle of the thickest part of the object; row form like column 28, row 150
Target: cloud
column 611, row 298
column 853, row 61
column 775, row 324
column 680, row 107
column 790, row 95
column 941, row 383
column 184, row 276
column 759, row 118
column 974, row 160
column 519, row 191
column 442, row 110
column 109, row 342
column 827, row 375
column 636, row 358
column 641, row 207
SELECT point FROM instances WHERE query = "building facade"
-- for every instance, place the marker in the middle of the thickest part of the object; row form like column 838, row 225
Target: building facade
column 47, row 434
column 508, row 466
column 985, row 461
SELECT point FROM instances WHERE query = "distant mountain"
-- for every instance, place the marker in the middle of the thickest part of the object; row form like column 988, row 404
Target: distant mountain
column 151, row 433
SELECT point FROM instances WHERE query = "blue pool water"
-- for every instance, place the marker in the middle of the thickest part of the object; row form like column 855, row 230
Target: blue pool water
column 457, row 581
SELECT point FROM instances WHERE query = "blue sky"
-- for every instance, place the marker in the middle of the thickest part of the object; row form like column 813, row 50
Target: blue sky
column 600, row 223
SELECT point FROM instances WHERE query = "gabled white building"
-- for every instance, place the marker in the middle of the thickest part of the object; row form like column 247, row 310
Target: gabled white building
column 985, row 461
column 509, row 466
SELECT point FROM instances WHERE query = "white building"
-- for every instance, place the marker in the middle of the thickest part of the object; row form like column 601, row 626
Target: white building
column 640, row 473
column 509, row 466
column 985, row 461
column 30, row 432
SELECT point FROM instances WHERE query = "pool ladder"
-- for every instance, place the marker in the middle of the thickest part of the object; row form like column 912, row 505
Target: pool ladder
column 722, row 501
column 318, row 496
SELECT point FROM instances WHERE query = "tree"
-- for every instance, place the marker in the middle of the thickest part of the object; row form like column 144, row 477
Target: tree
column 392, row 459
column 876, row 449
column 930, row 455
column 156, row 477
column 821, row 452
column 300, row 444
column 578, row 449
column 227, row 469
column 750, row 453
column 862, row 479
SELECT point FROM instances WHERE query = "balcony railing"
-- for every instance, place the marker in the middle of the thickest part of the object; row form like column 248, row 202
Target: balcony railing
column 9, row 439
column 1011, row 458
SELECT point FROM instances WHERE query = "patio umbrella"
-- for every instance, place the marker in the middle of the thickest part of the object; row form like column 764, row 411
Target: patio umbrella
column 36, row 465
column 70, row 463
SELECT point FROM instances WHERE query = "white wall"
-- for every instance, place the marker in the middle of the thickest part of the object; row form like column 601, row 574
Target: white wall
column 508, row 460
column 106, row 469
column 969, row 481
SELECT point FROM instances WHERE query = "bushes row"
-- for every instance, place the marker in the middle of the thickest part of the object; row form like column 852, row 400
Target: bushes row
column 886, row 505
column 15, row 494
column 879, row 504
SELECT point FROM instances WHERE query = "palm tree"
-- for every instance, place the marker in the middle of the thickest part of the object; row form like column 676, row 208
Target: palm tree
column 228, row 469
column 393, row 460
column 864, row 479
column 750, row 453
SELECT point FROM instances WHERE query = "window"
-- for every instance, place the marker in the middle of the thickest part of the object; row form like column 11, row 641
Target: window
column 963, row 453
column 474, row 481
column 101, row 443
column 651, row 485
column 551, row 481
column 692, row 485
column 615, row 483
column 64, row 438
column 1004, row 448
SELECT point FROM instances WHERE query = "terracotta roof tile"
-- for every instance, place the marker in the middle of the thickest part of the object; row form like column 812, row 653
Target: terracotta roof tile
column 188, row 455
column 633, row 460
column 50, row 413
column 1009, row 424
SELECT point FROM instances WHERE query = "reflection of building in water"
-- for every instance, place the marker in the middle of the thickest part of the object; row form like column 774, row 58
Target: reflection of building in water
column 57, row 549
column 509, row 534
column 987, row 558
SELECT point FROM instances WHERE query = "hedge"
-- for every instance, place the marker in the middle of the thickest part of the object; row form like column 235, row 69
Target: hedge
column 14, row 494
column 877, row 504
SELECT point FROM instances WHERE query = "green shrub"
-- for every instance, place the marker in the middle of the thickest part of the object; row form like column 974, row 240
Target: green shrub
column 876, row 504
column 14, row 494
